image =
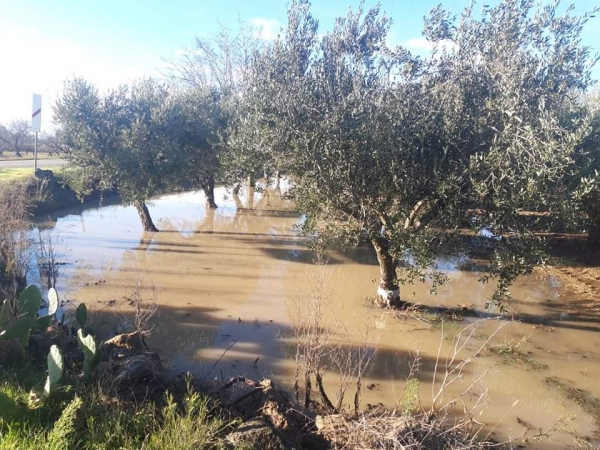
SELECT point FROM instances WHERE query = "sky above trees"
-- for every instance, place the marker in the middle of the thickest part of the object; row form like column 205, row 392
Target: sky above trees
column 111, row 42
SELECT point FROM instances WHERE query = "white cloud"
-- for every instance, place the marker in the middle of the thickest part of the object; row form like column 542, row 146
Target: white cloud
column 392, row 39
column 266, row 29
column 419, row 44
column 423, row 47
column 33, row 63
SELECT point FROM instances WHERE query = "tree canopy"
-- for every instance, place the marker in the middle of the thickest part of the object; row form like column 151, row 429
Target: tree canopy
column 408, row 153
column 414, row 155
column 137, row 139
column 586, row 176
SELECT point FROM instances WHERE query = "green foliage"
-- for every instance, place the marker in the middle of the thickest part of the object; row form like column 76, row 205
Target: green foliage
column 193, row 427
column 10, row 409
column 30, row 301
column 410, row 397
column 91, row 353
column 81, row 314
column 19, row 329
column 56, row 370
column 212, row 77
column 29, row 305
column 92, row 420
column 64, row 434
column 52, row 301
column 4, row 314
column 43, row 322
column 402, row 151
column 138, row 139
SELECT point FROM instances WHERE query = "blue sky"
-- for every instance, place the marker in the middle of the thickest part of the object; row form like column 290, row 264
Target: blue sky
column 113, row 41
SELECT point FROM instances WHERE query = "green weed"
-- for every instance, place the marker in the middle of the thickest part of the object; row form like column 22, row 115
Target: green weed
column 93, row 420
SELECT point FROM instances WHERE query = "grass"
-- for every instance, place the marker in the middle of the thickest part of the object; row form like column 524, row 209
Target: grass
column 11, row 156
column 8, row 175
column 22, row 173
column 92, row 419
column 512, row 353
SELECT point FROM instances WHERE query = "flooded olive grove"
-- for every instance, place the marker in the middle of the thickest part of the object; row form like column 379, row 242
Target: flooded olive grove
column 368, row 227
column 229, row 281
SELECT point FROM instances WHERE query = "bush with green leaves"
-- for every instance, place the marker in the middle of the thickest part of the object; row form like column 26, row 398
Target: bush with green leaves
column 64, row 431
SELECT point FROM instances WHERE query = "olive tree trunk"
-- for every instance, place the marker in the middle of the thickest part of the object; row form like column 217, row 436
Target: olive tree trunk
column 250, row 193
column 209, row 191
column 593, row 239
column 142, row 210
column 277, row 179
column 388, row 290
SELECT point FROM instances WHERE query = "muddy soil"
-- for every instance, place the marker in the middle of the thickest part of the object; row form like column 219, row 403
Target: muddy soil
column 228, row 283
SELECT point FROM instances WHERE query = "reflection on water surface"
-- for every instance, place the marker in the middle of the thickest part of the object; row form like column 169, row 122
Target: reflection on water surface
column 229, row 275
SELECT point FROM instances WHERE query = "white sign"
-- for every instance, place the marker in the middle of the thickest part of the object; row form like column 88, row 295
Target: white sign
column 36, row 113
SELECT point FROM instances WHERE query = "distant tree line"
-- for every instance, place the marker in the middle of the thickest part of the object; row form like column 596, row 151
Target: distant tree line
column 409, row 154
column 17, row 137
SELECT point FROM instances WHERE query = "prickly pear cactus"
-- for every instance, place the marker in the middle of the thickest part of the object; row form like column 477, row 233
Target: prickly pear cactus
column 52, row 301
column 91, row 353
column 43, row 322
column 4, row 315
column 81, row 315
column 30, row 301
column 19, row 329
column 56, row 369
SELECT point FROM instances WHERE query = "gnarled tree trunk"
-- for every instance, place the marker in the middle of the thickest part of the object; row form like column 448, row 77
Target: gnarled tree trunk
column 142, row 210
column 593, row 239
column 388, row 290
column 209, row 191
column 250, row 193
column 277, row 179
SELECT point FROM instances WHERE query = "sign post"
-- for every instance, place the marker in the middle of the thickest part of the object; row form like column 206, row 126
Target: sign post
column 36, row 124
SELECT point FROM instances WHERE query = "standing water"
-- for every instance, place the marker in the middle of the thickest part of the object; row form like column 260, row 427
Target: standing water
column 228, row 282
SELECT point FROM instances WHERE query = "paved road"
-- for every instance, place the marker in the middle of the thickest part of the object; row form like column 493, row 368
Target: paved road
column 26, row 163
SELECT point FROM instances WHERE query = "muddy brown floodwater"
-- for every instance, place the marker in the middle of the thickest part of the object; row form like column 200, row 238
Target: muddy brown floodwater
column 232, row 276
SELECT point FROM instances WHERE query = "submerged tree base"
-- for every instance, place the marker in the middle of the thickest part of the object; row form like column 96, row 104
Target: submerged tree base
column 145, row 217
column 389, row 297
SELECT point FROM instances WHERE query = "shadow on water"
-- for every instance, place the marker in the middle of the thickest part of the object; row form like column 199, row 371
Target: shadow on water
column 192, row 338
column 226, row 276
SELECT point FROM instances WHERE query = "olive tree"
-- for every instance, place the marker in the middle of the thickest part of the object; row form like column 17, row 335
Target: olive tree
column 213, row 72
column 258, row 133
column 586, row 177
column 409, row 153
column 201, row 117
column 128, row 139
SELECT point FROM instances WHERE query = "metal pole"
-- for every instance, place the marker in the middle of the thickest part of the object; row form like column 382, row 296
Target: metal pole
column 35, row 153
